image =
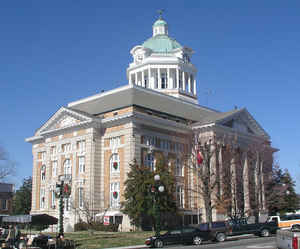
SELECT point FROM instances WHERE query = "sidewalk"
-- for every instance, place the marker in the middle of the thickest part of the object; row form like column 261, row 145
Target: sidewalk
column 129, row 247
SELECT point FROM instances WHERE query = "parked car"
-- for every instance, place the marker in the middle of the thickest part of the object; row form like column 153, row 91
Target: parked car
column 222, row 229
column 183, row 235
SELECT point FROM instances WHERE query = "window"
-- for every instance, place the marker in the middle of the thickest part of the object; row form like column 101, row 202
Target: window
column 115, row 163
column 180, row 196
column 81, row 146
column 80, row 197
column 53, row 150
column 149, row 161
column 146, row 81
column 81, row 161
column 42, row 155
column 115, row 194
column 43, row 173
column 67, row 167
column 53, row 199
column 66, row 147
column 164, row 80
column 54, row 168
column 114, row 142
column 4, row 204
column 180, row 79
column 178, row 168
column 42, row 198
column 67, row 203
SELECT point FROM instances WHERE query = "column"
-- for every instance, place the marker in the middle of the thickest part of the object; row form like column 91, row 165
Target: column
column 263, row 197
column 246, row 184
column 183, row 80
column 177, row 78
column 256, row 181
column 171, row 79
column 143, row 78
column 233, row 185
column 195, row 90
column 221, row 171
column 189, row 83
column 149, row 78
column 159, row 78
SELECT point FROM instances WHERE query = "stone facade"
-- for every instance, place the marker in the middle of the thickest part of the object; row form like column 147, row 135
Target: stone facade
column 94, row 140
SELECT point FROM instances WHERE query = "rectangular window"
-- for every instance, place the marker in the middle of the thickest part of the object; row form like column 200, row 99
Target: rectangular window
column 4, row 204
column 80, row 198
column 66, row 147
column 81, row 146
column 53, row 199
column 42, row 198
column 81, row 161
column 53, row 150
column 114, row 142
column 115, row 194
column 180, row 196
column 67, row 204
column 54, row 168
column 42, row 155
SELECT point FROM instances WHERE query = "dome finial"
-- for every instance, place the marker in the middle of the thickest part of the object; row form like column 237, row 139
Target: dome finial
column 160, row 12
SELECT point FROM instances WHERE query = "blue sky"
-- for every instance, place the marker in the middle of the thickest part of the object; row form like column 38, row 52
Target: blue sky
column 54, row 52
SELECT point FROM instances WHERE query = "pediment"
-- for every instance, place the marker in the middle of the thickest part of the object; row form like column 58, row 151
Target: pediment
column 62, row 119
column 242, row 121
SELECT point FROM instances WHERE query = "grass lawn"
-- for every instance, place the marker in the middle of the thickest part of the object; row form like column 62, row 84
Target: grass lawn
column 84, row 240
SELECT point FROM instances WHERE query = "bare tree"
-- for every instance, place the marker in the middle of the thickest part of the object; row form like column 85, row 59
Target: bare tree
column 7, row 167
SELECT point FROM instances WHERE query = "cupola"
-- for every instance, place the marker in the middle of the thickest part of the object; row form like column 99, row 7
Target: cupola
column 163, row 65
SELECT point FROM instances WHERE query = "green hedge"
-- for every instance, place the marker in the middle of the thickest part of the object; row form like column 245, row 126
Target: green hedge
column 97, row 226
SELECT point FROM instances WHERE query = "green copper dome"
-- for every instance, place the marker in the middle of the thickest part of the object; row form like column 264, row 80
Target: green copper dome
column 161, row 44
column 160, row 22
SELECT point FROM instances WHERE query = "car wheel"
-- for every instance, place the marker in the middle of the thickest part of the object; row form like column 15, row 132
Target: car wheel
column 220, row 237
column 197, row 240
column 158, row 243
column 265, row 233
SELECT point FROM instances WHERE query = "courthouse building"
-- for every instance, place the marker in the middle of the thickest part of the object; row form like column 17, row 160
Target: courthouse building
column 94, row 139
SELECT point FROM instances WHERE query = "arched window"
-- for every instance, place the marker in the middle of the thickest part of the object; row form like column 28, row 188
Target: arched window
column 115, row 163
column 43, row 173
column 67, row 167
column 149, row 161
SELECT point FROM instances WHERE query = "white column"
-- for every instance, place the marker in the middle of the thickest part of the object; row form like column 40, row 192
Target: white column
column 246, row 184
column 143, row 78
column 195, row 90
column 183, row 80
column 263, row 197
column 159, row 78
column 189, row 83
column 221, row 171
column 177, row 77
column 149, row 78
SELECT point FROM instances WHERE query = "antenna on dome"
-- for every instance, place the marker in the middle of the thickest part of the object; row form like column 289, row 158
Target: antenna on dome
column 160, row 12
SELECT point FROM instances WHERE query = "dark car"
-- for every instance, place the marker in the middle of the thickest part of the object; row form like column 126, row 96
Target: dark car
column 183, row 235
column 221, row 229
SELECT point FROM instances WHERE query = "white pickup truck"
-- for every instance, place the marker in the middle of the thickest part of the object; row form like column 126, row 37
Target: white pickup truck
column 288, row 239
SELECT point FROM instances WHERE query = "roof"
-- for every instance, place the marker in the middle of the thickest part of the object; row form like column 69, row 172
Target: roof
column 144, row 97
column 34, row 219
column 161, row 44
column 6, row 187
column 160, row 22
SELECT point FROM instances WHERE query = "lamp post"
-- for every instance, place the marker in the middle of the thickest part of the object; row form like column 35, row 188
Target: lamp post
column 156, row 190
column 62, row 190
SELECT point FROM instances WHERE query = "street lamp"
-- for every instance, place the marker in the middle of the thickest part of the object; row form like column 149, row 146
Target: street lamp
column 156, row 190
column 63, row 190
